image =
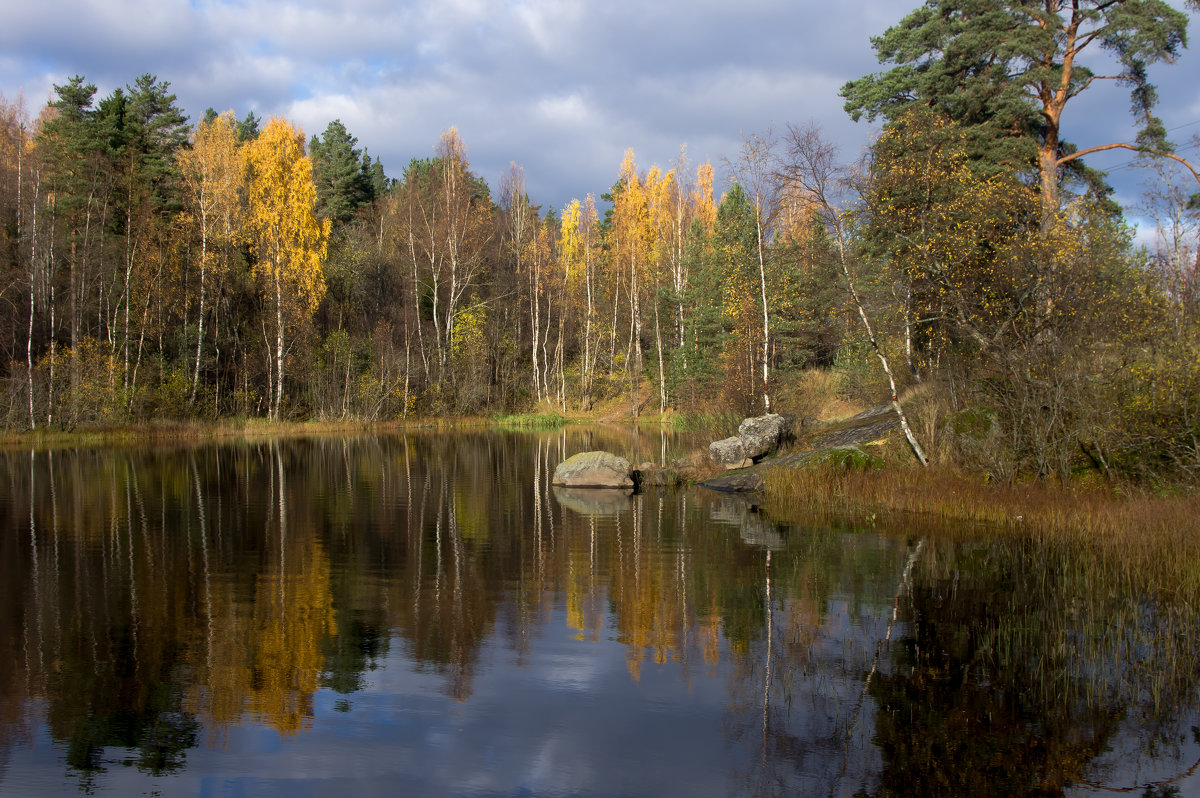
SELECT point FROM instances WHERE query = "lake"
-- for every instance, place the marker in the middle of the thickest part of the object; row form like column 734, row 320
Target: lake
column 424, row 614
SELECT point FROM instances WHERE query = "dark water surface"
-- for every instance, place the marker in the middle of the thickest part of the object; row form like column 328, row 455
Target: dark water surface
column 425, row 615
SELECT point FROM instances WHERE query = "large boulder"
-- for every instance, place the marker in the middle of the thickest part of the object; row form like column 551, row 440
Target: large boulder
column 594, row 470
column 757, row 437
column 763, row 435
column 730, row 453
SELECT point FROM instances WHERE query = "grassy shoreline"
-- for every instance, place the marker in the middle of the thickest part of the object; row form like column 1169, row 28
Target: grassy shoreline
column 1130, row 535
column 224, row 430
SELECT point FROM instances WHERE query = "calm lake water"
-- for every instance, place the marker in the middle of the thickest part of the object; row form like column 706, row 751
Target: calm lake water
column 426, row 615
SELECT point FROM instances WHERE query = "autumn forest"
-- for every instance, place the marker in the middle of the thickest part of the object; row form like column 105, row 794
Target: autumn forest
column 970, row 267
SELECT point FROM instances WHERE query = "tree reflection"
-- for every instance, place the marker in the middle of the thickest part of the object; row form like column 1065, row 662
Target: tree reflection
column 150, row 599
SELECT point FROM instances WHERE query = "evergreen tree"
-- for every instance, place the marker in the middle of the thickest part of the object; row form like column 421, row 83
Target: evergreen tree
column 248, row 128
column 1006, row 70
column 156, row 129
column 342, row 174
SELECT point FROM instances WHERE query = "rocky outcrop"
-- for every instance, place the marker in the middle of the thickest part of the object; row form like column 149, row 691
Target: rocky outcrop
column 746, row 482
column 595, row 470
column 763, row 435
column 730, row 453
column 839, row 441
column 757, row 437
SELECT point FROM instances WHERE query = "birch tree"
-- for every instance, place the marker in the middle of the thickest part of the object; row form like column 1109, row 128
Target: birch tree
column 287, row 240
column 212, row 174
column 754, row 170
column 812, row 169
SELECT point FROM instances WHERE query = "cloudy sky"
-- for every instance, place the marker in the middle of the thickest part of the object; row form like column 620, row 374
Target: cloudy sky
column 561, row 87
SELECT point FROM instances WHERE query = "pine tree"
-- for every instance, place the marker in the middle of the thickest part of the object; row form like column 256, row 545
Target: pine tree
column 1006, row 71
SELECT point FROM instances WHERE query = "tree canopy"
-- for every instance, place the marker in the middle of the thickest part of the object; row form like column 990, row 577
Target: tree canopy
column 1005, row 70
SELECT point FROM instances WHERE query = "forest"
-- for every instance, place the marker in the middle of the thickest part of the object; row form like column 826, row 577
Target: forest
column 971, row 269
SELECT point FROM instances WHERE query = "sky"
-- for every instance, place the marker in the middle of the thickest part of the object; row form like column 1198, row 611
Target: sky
column 560, row 87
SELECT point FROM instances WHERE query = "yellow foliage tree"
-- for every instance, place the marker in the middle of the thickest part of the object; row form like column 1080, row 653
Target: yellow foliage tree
column 287, row 239
column 631, row 240
column 212, row 177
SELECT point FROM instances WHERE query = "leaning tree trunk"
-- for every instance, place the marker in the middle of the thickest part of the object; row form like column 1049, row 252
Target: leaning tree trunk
column 887, row 369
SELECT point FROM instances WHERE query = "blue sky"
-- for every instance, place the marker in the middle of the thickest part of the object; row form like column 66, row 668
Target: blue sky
column 560, row 87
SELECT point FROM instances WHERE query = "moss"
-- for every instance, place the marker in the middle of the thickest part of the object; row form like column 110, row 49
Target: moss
column 851, row 458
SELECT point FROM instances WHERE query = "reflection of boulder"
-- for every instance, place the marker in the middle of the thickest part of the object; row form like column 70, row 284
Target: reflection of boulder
column 594, row 501
column 754, row 528
column 594, row 470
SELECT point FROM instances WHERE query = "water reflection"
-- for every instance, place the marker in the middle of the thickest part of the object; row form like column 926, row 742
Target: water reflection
column 427, row 612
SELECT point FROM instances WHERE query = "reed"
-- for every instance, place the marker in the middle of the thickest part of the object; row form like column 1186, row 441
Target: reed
column 190, row 432
column 532, row 421
column 1134, row 538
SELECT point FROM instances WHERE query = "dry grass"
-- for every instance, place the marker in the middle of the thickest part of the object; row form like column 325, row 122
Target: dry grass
column 224, row 430
column 1134, row 538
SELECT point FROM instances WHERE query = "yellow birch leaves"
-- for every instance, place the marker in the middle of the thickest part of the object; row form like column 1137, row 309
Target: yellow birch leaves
column 285, row 234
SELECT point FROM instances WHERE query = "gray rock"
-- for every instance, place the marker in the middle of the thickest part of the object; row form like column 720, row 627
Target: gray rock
column 594, row 470
column 736, row 483
column 730, row 453
column 763, row 435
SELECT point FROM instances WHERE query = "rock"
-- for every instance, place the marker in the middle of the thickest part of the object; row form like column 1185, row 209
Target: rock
column 763, row 435
column 730, row 453
column 591, row 502
column 736, row 483
column 594, row 470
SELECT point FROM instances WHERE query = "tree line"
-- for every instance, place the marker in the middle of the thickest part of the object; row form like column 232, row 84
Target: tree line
column 970, row 264
column 234, row 268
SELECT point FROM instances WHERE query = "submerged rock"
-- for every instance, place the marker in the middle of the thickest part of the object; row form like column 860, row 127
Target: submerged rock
column 736, row 483
column 594, row 470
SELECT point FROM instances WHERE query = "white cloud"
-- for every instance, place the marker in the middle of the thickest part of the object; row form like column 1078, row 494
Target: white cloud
column 561, row 87
column 568, row 110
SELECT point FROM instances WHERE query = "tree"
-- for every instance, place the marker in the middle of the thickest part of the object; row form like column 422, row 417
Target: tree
column 287, row 239
column 950, row 236
column 735, row 259
column 343, row 175
column 812, row 172
column 754, row 170
column 1176, row 251
column 631, row 238
column 1007, row 70
column 248, row 129
column 577, row 242
column 212, row 176
column 68, row 143
column 146, row 137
